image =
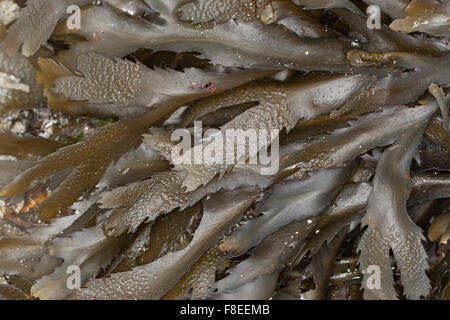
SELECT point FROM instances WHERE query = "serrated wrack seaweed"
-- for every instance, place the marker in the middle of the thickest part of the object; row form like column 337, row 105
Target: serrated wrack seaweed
column 389, row 227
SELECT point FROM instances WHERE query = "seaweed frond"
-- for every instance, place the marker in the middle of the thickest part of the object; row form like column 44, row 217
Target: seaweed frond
column 429, row 16
column 155, row 279
column 36, row 23
column 389, row 227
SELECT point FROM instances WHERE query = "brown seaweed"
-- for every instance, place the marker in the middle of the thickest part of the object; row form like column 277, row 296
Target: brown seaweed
column 286, row 48
column 427, row 16
column 391, row 187
column 155, row 279
column 96, row 176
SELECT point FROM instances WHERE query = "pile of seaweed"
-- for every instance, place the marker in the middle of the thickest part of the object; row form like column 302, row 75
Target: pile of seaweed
column 95, row 204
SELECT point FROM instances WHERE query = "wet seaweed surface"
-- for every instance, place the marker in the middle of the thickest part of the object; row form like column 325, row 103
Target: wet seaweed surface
column 113, row 114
